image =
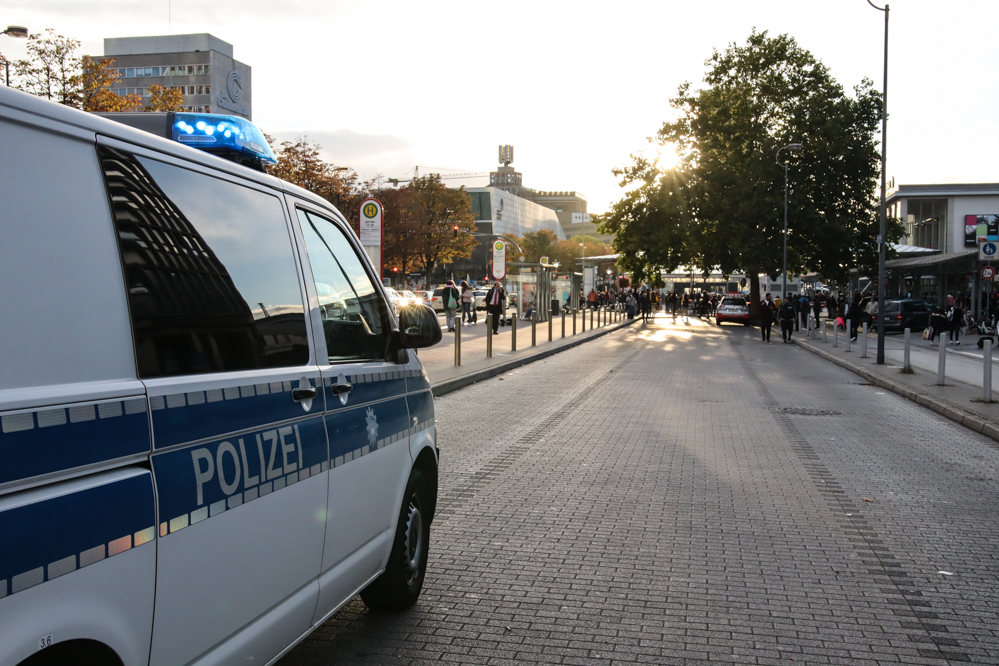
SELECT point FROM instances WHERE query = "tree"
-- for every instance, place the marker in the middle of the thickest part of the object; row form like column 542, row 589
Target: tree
column 437, row 210
column 722, row 208
column 51, row 69
column 96, row 77
column 400, row 229
column 299, row 162
column 162, row 99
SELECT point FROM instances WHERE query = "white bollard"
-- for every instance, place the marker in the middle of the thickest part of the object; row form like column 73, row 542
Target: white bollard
column 941, row 361
column 849, row 342
column 835, row 334
column 863, row 342
column 824, row 325
column 906, row 363
column 987, row 371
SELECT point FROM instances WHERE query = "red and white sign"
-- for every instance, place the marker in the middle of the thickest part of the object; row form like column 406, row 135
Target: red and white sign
column 499, row 259
column 988, row 272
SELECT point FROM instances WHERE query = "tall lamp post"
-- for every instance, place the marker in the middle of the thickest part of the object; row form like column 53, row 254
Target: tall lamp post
column 884, row 213
column 790, row 146
column 19, row 32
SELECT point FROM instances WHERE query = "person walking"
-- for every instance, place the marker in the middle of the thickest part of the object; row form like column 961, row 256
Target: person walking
column 591, row 298
column 451, row 299
column 817, row 307
column 496, row 304
column 786, row 315
column 630, row 303
column 956, row 318
column 855, row 313
column 645, row 302
column 766, row 317
column 467, row 303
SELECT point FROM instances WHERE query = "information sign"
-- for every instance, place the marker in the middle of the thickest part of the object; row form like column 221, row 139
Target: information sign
column 499, row 259
column 371, row 231
column 987, row 251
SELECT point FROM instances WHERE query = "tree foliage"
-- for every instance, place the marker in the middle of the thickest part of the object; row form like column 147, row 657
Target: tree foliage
column 163, row 99
column 300, row 162
column 722, row 207
column 437, row 210
column 51, row 70
column 96, row 77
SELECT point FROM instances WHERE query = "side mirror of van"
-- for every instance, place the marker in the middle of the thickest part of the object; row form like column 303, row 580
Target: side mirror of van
column 419, row 326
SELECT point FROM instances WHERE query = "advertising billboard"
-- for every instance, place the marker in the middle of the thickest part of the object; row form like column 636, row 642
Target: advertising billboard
column 980, row 228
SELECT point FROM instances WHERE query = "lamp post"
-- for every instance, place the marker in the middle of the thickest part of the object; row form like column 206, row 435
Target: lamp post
column 790, row 146
column 18, row 32
column 884, row 212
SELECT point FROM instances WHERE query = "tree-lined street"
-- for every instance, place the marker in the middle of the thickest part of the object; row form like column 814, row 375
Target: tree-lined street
column 683, row 494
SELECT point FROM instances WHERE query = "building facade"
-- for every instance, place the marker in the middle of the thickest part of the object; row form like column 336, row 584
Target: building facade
column 948, row 220
column 200, row 65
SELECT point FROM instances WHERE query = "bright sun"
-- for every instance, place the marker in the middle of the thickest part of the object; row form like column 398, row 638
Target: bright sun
column 667, row 157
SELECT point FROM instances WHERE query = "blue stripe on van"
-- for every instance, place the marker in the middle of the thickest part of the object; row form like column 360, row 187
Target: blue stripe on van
column 368, row 387
column 421, row 407
column 417, row 380
column 59, row 438
column 45, row 540
column 362, row 430
column 204, row 480
column 185, row 417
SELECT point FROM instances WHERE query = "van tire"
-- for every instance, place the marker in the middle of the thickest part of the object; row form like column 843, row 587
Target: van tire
column 400, row 584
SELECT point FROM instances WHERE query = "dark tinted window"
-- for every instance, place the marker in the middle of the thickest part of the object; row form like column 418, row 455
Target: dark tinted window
column 211, row 277
column 353, row 312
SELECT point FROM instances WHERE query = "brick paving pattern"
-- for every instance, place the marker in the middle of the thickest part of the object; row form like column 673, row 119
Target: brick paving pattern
column 687, row 495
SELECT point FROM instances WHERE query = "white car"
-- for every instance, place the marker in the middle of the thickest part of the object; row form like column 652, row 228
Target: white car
column 732, row 309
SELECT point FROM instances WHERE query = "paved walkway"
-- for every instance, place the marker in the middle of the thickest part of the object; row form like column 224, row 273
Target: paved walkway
column 475, row 366
column 960, row 399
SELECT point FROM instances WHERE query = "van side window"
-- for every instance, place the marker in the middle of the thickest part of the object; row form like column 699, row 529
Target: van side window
column 211, row 278
column 354, row 314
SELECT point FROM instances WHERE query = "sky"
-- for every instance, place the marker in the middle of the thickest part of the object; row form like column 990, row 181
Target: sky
column 383, row 86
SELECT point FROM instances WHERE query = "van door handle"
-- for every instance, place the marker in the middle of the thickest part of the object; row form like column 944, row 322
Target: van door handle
column 345, row 387
column 303, row 394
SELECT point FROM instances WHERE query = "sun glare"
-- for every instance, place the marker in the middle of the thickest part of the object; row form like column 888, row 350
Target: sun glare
column 667, row 157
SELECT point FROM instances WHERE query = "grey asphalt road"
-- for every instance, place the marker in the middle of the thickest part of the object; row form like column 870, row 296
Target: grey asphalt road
column 689, row 495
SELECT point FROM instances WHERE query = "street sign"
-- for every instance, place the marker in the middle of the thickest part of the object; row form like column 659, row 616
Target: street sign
column 988, row 272
column 371, row 231
column 987, row 251
column 499, row 260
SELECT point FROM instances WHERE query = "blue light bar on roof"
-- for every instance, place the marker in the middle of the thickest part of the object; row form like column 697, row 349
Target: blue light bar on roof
column 214, row 131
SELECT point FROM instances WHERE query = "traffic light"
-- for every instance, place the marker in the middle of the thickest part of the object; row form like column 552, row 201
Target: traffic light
column 455, row 230
column 395, row 270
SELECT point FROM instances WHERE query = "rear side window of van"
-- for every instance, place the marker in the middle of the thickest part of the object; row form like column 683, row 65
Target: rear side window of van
column 211, row 278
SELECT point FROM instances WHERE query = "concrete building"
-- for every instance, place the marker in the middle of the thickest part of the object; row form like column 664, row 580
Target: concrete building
column 948, row 220
column 201, row 65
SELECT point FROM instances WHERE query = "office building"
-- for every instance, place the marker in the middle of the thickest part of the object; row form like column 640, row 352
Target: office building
column 200, row 65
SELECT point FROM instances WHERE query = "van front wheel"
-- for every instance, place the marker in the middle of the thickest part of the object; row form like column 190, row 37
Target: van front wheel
column 399, row 586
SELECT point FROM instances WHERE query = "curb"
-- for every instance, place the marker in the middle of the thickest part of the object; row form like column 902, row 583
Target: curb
column 451, row 385
column 948, row 410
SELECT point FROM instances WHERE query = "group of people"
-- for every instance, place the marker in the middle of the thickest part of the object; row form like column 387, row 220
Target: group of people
column 464, row 296
column 788, row 312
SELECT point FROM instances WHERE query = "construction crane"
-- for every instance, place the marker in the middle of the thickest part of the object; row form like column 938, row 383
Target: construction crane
column 450, row 176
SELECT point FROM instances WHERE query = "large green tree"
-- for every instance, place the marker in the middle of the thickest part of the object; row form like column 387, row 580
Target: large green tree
column 722, row 207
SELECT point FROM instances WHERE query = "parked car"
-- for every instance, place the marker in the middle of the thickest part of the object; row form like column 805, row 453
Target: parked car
column 395, row 298
column 734, row 310
column 410, row 298
column 904, row 313
column 480, row 299
column 424, row 297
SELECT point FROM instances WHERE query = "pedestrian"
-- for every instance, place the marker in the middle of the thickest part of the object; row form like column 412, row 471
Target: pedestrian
column 592, row 299
column 855, row 313
column 496, row 304
column 804, row 307
column 767, row 309
column 467, row 302
column 630, row 304
column 817, row 307
column 645, row 303
column 451, row 299
column 956, row 317
column 786, row 315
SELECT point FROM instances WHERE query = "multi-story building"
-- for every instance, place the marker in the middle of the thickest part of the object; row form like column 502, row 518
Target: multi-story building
column 200, row 65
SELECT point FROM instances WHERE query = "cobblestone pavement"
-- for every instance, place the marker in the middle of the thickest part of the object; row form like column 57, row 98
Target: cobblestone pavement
column 687, row 495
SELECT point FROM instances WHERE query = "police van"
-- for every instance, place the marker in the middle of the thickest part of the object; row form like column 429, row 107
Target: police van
column 212, row 431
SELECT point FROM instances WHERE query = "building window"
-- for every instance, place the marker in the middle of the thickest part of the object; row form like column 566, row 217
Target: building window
column 208, row 90
column 190, row 70
column 190, row 90
column 208, row 69
column 130, row 72
column 199, row 69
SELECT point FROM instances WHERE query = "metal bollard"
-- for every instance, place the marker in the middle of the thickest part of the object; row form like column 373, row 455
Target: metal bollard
column 489, row 335
column 550, row 326
column 591, row 318
column 534, row 328
column 513, row 332
column 574, row 313
column 457, row 342
column 863, row 342
column 941, row 361
column 825, row 329
column 582, row 326
column 849, row 341
column 835, row 334
column 563, row 322
column 987, row 371
column 906, row 363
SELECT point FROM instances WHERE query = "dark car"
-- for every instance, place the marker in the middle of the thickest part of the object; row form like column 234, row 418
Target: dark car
column 911, row 313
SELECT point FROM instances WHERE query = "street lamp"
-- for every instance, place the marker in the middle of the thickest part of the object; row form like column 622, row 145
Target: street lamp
column 790, row 146
column 18, row 32
column 884, row 212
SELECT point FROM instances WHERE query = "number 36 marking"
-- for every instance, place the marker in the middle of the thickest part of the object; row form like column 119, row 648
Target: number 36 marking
column 45, row 641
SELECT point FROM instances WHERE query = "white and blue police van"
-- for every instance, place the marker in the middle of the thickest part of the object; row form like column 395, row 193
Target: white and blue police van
column 212, row 431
